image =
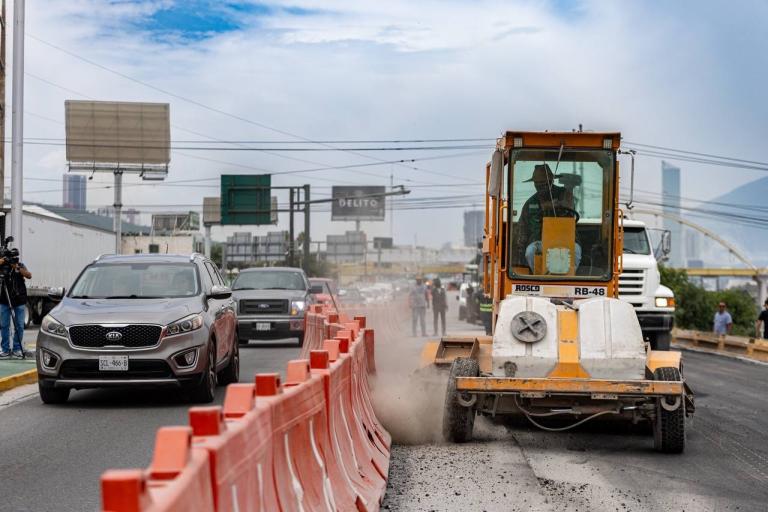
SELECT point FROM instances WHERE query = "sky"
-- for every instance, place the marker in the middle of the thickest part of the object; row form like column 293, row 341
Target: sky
column 689, row 75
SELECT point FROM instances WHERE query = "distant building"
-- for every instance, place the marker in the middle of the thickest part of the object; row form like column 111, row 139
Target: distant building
column 347, row 248
column 670, row 186
column 75, row 186
column 473, row 227
column 171, row 223
column 243, row 249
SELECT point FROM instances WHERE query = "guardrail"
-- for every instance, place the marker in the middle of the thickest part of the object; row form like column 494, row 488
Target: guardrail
column 310, row 443
column 752, row 348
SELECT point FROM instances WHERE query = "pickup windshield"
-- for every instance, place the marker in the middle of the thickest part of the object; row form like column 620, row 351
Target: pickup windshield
column 137, row 281
column 270, row 280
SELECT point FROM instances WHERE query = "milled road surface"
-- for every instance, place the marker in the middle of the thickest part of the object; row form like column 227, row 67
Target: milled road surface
column 51, row 457
column 599, row 467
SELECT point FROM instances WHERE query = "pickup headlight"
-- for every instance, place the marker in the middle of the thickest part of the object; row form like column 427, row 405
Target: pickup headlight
column 186, row 324
column 52, row 326
column 665, row 302
column 297, row 307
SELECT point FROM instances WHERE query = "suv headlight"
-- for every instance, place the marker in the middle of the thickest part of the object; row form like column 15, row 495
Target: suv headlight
column 297, row 307
column 186, row 324
column 52, row 326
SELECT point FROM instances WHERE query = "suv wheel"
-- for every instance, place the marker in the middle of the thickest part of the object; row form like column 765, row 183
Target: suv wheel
column 51, row 395
column 231, row 373
column 205, row 390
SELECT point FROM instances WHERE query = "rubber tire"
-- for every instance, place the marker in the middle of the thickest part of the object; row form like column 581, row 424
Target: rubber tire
column 462, row 313
column 669, row 426
column 231, row 373
column 661, row 340
column 53, row 396
column 204, row 391
column 459, row 421
column 301, row 340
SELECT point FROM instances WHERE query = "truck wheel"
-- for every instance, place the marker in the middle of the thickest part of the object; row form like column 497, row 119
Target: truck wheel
column 661, row 340
column 458, row 421
column 669, row 426
column 51, row 395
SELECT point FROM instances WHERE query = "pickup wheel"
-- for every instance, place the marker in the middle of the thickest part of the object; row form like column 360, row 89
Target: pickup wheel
column 669, row 426
column 458, row 420
column 301, row 340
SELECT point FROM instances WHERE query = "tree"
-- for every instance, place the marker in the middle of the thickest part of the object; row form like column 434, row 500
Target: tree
column 695, row 306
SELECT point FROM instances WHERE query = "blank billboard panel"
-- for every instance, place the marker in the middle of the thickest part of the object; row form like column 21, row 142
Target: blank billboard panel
column 118, row 132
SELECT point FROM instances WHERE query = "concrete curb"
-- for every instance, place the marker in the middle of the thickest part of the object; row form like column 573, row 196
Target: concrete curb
column 726, row 355
column 19, row 379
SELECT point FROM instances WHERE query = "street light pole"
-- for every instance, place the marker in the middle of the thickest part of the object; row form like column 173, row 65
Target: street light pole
column 17, row 149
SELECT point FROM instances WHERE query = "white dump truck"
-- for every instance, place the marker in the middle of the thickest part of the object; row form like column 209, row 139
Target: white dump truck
column 640, row 284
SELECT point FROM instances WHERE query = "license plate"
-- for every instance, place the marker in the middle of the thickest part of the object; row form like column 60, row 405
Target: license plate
column 113, row 363
column 263, row 326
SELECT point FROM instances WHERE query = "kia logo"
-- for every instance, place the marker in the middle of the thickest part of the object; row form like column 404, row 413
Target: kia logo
column 263, row 306
column 113, row 336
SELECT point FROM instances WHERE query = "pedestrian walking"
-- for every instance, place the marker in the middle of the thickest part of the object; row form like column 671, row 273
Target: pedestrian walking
column 439, row 305
column 762, row 321
column 418, row 300
column 722, row 323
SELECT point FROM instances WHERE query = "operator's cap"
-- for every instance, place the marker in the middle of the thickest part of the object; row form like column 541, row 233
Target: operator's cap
column 541, row 173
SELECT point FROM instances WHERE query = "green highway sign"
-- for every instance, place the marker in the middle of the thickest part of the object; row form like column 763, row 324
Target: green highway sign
column 245, row 199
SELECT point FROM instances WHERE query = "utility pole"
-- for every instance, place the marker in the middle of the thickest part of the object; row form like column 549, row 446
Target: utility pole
column 307, row 238
column 291, row 233
column 118, row 205
column 3, row 60
column 17, row 149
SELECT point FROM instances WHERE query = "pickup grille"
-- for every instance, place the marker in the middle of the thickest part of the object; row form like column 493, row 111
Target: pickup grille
column 131, row 336
column 263, row 307
column 632, row 284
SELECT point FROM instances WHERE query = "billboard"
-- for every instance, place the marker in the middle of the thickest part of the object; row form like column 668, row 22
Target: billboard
column 246, row 199
column 115, row 132
column 358, row 203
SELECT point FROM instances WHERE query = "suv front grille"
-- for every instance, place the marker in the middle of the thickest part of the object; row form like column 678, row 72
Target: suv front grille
column 131, row 336
column 631, row 284
column 263, row 307
column 137, row 369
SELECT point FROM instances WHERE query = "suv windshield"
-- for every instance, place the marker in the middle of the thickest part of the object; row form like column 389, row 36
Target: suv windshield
column 561, row 206
column 266, row 280
column 137, row 281
column 636, row 241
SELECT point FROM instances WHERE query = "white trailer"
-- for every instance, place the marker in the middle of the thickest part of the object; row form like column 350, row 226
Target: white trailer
column 56, row 250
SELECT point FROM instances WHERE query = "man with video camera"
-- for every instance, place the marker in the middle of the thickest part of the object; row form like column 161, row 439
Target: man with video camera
column 15, row 273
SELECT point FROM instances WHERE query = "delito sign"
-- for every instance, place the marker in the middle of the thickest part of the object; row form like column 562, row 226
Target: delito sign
column 358, row 203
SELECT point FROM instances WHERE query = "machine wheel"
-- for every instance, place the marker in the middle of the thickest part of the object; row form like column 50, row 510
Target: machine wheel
column 669, row 426
column 458, row 421
column 660, row 340
column 231, row 373
column 51, row 395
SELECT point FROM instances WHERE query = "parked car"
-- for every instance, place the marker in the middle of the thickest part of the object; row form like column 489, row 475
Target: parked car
column 271, row 302
column 324, row 291
column 140, row 320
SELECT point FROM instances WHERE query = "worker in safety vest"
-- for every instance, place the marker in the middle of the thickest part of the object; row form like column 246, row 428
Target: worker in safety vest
column 486, row 312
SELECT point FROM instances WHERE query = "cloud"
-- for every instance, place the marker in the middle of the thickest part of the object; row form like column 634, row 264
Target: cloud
column 682, row 75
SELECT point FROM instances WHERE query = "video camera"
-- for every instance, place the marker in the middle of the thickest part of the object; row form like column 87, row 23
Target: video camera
column 10, row 256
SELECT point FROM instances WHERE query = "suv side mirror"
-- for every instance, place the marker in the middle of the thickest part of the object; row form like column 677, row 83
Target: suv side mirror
column 220, row 292
column 316, row 289
column 56, row 294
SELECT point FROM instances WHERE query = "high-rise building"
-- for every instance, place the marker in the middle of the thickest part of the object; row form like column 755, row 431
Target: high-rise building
column 74, row 192
column 670, row 198
column 473, row 227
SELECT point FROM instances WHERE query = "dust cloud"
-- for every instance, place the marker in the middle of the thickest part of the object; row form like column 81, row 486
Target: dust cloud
column 408, row 401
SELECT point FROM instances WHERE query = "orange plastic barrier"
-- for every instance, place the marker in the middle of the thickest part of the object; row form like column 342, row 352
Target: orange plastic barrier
column 311, row 443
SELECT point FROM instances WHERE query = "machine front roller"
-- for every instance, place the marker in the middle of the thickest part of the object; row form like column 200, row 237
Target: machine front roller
column 669, row 425
column 459, row 414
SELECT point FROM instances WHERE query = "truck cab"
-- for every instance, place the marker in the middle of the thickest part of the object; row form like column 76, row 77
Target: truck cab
column 640, row 285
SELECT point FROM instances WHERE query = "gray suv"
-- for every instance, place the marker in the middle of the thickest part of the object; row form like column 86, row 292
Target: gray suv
column 271, row 302
column 140, row 320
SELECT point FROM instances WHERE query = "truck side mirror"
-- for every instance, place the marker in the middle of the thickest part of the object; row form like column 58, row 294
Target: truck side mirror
column 497, row 167
column 666, row 243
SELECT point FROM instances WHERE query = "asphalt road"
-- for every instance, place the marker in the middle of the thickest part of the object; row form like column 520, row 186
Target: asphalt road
column 51, row 457
column 599, row 467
